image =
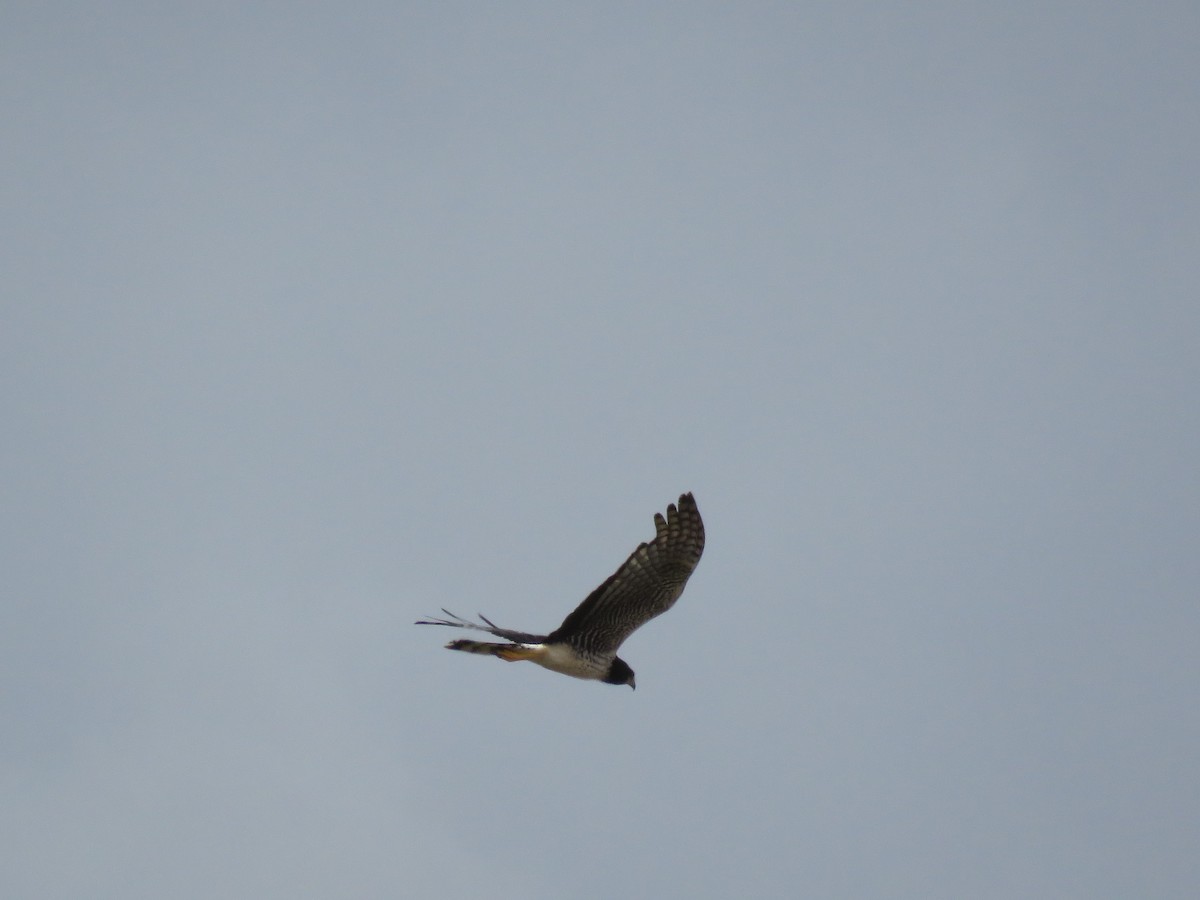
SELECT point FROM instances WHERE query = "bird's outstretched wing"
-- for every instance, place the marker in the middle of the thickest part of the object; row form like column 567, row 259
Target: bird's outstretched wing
column 454, row 621
column 646, row 585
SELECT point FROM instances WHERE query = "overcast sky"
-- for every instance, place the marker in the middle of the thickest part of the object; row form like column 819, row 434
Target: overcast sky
column 318, row 318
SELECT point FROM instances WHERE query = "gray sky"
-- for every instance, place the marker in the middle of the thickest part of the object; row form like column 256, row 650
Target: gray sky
column 319, row 318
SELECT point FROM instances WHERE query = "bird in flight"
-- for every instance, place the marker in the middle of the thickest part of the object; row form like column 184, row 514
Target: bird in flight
column 585, row 644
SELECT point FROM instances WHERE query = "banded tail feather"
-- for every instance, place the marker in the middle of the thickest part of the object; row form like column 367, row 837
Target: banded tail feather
column 509, row 652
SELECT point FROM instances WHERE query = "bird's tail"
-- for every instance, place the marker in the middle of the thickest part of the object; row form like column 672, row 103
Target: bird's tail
column 510, row 652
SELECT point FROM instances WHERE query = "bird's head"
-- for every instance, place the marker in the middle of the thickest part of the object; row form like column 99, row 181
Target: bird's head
column 620, row 673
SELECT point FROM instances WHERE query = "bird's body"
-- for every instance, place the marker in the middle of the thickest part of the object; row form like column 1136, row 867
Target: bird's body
column 585, row 644
column 557, row 657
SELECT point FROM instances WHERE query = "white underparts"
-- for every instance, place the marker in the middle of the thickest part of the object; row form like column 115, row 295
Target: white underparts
column 562, row 659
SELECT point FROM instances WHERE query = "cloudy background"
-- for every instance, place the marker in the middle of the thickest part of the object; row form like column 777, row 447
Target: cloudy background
column 317, row 318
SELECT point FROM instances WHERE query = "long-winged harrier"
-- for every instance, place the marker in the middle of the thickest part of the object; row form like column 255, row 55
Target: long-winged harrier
column 585, row 644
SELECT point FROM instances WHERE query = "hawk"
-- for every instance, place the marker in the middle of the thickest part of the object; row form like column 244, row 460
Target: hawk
column 585, row 644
